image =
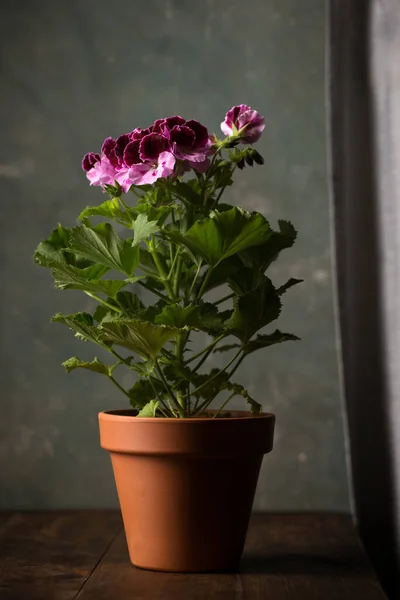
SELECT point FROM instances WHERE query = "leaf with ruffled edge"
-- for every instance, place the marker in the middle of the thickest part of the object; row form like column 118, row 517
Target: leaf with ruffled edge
column 149, row 410
column 224, row 234
column 254, row 310
column 83, row 325
column 146, row 339
column 102, row 245
column 95, row 365
column 143, row 392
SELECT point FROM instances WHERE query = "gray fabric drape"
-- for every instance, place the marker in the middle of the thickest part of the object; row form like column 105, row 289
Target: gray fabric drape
column 365, row 128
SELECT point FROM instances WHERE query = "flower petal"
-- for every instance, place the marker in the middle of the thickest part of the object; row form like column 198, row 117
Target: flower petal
column 103, row 173
column 202, row 140
column 151, row 146
column 122, row 177
column 131, row 153
column 89, row 160
column 182, row 138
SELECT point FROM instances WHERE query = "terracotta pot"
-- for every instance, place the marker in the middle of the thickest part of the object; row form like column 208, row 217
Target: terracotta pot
column 186, row 486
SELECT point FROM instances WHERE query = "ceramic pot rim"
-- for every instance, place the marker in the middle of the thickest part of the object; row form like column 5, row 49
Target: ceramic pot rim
column 123, row 416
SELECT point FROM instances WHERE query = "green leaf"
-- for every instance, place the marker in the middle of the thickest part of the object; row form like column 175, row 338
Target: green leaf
column 82, row 324
column 175, row 315
column 53, row 249
column 110, row 209
column 130, row 303
column 237, row 388
column 224, row 234
column 178, row 374
column 211, row 320
column 154, row 213
column 95, row 365
column 143, row 228
column 227, row 347
column 290, row 283
column 52, row 252
column 143, row 392
column 211, row 383
column 102, row 245
column 262, row 341
column 144, row 368
column 70, row 277
column 143, row 338
column 150, row 313
column 260, row 258
column 253, row 311
column 187, row 193
column 149, row 410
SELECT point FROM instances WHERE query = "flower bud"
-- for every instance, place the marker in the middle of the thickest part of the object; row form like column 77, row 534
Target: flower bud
column 248, row 159
column 256, row 156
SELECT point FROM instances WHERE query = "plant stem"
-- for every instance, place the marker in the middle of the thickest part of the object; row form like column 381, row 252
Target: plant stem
column 210, row 346
column 228, row 364
column 195, row 278
column 170, row 392
column 115, row 382
column 224, row 404
column 175, row 284
column 157, row 396
column 173, row 261
column 160, row 268
column 239, row 362
column 104, row 302
column 221, row 300
column 222, row 189
column 156, row 292
column 211, row 398
column 204, row 284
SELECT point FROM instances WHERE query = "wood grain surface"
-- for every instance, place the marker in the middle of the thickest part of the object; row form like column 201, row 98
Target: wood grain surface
column 83, row 555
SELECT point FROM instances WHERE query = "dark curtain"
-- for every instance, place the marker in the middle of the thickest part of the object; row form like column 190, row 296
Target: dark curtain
column 365, row 132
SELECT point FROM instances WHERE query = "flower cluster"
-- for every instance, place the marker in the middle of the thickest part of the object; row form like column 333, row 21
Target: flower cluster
column 169, row 147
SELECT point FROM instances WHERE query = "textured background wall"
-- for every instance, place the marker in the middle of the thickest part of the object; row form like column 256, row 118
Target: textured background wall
column 73, row 73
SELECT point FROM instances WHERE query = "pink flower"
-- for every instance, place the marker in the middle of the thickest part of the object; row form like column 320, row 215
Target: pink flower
column 148, row 172
column 148, row 159
column 189, row 141
column 244, row 122
column 103, row 173
column 89, row 160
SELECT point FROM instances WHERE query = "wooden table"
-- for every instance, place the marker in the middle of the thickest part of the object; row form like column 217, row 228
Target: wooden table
column 82, row 554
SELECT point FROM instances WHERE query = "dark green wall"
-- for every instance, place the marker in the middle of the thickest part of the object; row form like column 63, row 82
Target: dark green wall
column 74, row 72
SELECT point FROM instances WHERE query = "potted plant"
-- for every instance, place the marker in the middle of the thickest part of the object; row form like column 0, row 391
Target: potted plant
column 185, row 474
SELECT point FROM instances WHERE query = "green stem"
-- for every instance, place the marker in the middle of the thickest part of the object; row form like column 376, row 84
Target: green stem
column 211, row 398
column 224, row 404
column 115, row 382
column 221, row 300
column 204, row 284
column 222, row 190
column 167, row 387
column 210, row 346
column 228, row 364
column 195, row 277
column 160, row 268
column 104, row 302
column 157, row 396
column 175, row 284
column 156, row 292
column 173, row 261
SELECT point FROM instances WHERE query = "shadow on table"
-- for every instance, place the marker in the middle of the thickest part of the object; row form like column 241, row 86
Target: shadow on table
column 299, row 564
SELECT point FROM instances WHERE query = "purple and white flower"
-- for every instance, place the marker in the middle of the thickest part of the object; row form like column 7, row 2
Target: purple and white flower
column 156, row 159
column 102, row 173
column 244, row 122
column 189, row 141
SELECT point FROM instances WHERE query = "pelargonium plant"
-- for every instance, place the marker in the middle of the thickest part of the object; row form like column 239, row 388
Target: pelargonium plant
column 173, row 237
